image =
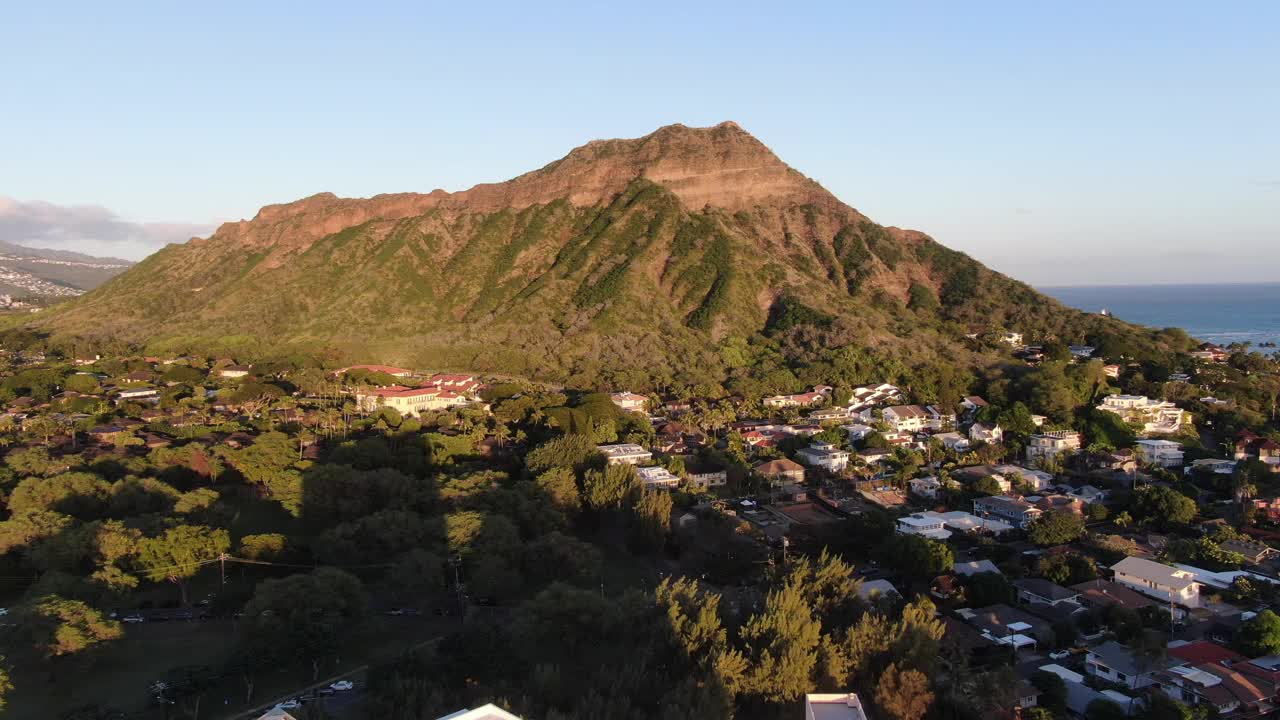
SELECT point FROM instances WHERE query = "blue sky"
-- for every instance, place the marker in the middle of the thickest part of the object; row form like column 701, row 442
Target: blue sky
column 1062, row 143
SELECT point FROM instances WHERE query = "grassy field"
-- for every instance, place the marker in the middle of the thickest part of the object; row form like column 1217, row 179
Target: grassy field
column 118, row 675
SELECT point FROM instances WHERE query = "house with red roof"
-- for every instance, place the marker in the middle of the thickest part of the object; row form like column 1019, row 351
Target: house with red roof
column 408, row 401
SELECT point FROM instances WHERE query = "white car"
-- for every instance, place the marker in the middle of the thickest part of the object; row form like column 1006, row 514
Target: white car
column 1059, row 655
column 133, row 619
column 342, row 685
column 290, row 704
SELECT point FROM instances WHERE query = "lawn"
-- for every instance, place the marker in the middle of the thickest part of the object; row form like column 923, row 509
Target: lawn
column 118, row 675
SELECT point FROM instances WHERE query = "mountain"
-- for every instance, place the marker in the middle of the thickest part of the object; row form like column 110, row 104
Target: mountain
column 656, row 254
column 40, row 272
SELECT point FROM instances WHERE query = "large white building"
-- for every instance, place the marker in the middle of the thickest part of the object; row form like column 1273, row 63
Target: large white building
column 833, row 706
column 1155, row 416
column 1047, row 446
column 1160, row 453
column 906, row 418
column 625, row 454
column 408, row 401
column 1158, row 581
column 824, row 455
column 657, row 477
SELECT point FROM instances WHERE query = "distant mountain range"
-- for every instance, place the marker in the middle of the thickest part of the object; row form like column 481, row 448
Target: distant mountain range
column 44, row 273
column 660, row 254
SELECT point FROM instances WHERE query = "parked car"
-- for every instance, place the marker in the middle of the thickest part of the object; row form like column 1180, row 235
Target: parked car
column 343, row 685
column 290, row 704
column 134, row 618
column 1060, row 654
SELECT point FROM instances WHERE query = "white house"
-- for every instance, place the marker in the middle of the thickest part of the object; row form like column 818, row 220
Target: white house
column 954, row 441
column 1159, row 581
column 989, row 434
column 857, row 431
column 824, row 455
column 234, row 371
column 865, row 396
column 408, row 401
column 940, row 420
column 972, row 404
column 925, row 487
column 1047, row 446
column 1116, row 663
column 906, row 418
column 930, row 525
column 629, row 401
column 820, row 393
column 1012, row 338
column 625, row 454
column 1015, row 511
column 657, row 477
column 833, row 706
column 1159, row 453
column 1155, row 416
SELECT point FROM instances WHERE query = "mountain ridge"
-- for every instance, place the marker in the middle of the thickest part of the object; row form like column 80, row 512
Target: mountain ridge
column 653, row 251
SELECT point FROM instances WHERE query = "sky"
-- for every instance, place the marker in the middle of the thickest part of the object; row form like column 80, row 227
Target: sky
column 1062, row 143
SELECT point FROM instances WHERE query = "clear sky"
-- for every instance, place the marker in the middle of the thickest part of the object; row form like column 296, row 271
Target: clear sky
column 1059, row 142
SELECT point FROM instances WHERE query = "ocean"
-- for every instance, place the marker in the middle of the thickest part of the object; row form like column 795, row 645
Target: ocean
column 1223, row 314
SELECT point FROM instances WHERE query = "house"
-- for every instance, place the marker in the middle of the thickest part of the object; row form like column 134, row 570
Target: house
column 408, row 401
column 139, row 395
column 657, row 477
column 234, row 371
column 833, row 706
column 989, row 434
column 1081, row 352
column 1104, row 593
column 1087, row 494
column 1155, row 416
column 1042, row 592
column 953, row 441
column 906, row 418
column 1158, row 581
column 972, row 404
column 1057, row 503
column 973, row 473
column 829, row 414
column 780, row 472
column 385, row 369
column 1203, row 673
column 1015, row 511
column 484, row 712
column 1012, row 338
column 1265, row 450
column 875, row 456
column 961, row 521
column 1255, row 553
column 457, row 382
column 929, row 525
column 706, row 476
column 1159, row 453
column 1048, row 446
column 925, row 487
column 872, row 589
column 1038, row 480
column 824, row 455
column 940, row 420
column 625, row 454
column 1116, row 663
column 809, row 399
column 1010, row 626
column 1216, row 466
column 629, row 401
column 276, row 713
column 857, row 431
column 975, row 567
column 866, row 396
column 1111, row 371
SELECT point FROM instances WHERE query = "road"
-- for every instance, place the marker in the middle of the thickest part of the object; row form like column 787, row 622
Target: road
column 336, row 701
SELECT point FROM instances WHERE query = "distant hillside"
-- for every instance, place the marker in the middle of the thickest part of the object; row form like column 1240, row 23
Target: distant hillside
column 41, row 272
column 654, row 254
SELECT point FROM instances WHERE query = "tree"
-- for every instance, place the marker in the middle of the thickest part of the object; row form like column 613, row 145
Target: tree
column 917, row 556
column 267, row 546
column 1104, row 710
column 987, row 486
column 1056, row 528
column 606, row 489
column 559, row 486
column 1259, row 635
column 302, row 615
column 58, row 626
column 1163, row 506
column 178, row 554
column 567, row 451
column 6, row 685
column 782, row 644
column 1066, row 568
column 903, row 694
column 651, row 520
column 987, row 588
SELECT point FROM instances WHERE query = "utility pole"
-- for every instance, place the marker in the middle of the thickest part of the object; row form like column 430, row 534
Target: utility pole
column 222, row 561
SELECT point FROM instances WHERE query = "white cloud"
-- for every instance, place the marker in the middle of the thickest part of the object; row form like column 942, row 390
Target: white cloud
column 89, row 229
